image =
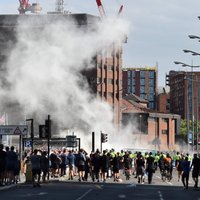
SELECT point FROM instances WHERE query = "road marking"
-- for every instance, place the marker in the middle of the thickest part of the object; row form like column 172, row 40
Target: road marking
column 160, row 195
column 122, row 196
column 42, row 193
column 131, row 185
column 169, row 183
column 82, row 196
column 99, row 186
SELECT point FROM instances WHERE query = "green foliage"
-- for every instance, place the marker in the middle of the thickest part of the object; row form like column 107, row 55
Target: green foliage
column 183, row 128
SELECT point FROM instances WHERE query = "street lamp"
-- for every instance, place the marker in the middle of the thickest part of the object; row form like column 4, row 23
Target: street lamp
column 192, row 52
column 140, row 126
column 197, row 110
column 187, row 99
column 194, row 37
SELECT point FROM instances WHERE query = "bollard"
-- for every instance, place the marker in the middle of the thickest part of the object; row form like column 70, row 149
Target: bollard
column 28, row 172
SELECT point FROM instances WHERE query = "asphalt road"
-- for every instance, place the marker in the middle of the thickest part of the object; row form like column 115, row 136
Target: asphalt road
column 130, row 190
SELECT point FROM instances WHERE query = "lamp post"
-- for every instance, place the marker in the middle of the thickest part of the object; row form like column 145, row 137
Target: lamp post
column 140, row 126
column 197, row 110
column 192, row 94
column 194, row 37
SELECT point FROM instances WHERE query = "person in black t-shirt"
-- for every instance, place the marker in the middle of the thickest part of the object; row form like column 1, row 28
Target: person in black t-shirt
column 196, row 170
column 2, row 164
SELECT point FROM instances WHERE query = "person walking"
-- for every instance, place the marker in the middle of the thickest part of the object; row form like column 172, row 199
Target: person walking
column 95, row 165
column 44, row 162
column 140, row 167
column 81, row 159
column 104, row 162
column 2, row 164
column 127, row 165
column 63, row 162
column 71, row 162
column 11, row 164
column 179, row 166
column 196, row 169
column 150, row 168
column 116, row 166
column 36, row 168
column 186, row 172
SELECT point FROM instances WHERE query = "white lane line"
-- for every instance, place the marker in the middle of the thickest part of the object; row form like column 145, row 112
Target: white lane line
column 82, row 196
column 131, row 185
column 160, row 195
column 122, row 196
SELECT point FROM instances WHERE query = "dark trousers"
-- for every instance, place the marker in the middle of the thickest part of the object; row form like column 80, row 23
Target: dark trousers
column 185, row 179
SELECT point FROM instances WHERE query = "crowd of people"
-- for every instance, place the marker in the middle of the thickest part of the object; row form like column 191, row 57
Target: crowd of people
column 98, row 166
column 9, row 166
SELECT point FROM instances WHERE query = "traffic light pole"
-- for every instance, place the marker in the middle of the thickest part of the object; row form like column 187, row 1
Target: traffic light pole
column 93, row 141
column 48, row 139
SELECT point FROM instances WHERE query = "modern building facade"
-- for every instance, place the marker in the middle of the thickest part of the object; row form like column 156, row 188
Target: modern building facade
column 184, row 94
column 141, row 82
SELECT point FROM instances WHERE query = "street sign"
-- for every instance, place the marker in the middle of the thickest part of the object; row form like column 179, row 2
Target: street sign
column 28, row 143
column 13, row 130
column 71, row 141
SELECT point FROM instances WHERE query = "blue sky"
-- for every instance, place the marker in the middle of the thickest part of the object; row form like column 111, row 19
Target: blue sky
column 159, row 29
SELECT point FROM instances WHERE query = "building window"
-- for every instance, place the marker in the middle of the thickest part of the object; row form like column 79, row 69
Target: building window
column 133, row 89
column 99, row 81
column 133, row 81
column 110, row 94
column 129, row 74
column 151, row 105
column 152, row 119
column 129, row 81
column 165, row 120
column 142, row 81
column 129, row 89
column 151, row 74
column 110, row 81
column 151, row 82
column 151, row 89
column 142, row 89
column 110, row 67
column 151, row 97
column 133, row 74
column 143, row 96
column 142, row 74
column 164, row 132
column 98, row 65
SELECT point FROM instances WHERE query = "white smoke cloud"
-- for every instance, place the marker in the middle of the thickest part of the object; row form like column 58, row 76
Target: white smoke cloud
column 43, row 71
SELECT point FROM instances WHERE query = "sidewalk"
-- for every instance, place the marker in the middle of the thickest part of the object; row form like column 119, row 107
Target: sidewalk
column 6, row 187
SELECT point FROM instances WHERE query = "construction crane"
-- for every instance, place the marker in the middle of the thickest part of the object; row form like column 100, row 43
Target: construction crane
column 59, row 6
column 102, row 10
column 25, row 6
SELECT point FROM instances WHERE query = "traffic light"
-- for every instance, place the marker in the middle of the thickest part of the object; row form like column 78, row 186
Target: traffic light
column 45, row 130
column 42, row 131
column 48, row 127
column 104, row 137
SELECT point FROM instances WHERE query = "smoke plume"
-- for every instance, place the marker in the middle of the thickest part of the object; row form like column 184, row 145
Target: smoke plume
column 43, row 72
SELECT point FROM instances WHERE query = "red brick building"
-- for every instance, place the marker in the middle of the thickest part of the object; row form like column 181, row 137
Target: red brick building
column 163, row 101
column 155, row 130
